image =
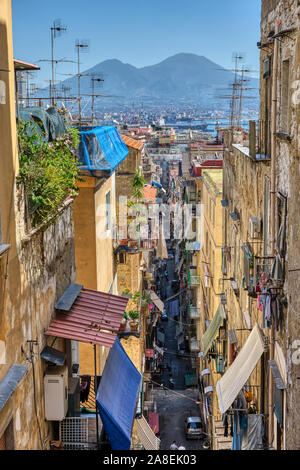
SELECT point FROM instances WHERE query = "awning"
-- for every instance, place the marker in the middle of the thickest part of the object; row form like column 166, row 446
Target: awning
column 10, row 382
column 53, row 355
column 278, row 380
column 154, row 421
column 146, row 435
column 178, row 268
column 156, row 300
column 213, row 329
column 159, row 350
column 229, row 386
column 117, row 395
column 94, row 318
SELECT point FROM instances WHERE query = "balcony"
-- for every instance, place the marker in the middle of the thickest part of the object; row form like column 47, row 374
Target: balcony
column 193, row 278
column 193, row 312
column 194, row 345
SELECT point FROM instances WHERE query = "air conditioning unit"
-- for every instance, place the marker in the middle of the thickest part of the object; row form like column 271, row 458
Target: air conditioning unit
column 255, row 227
column 56, row 393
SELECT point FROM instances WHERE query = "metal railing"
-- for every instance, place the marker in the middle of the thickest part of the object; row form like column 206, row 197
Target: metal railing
column 193, row 279
column 193, row 312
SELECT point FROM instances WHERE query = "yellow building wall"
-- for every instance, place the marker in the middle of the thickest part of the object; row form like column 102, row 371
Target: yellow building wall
column 94, row 253
column 211, row 257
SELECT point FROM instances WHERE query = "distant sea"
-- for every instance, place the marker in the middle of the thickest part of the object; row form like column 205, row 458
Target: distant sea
column 212, row 124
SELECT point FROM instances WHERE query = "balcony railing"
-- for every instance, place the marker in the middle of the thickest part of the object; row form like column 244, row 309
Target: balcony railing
column 193, row 278
column 193, row 312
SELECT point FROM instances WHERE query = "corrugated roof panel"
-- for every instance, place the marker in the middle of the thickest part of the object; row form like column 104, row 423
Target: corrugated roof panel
column 93, row 318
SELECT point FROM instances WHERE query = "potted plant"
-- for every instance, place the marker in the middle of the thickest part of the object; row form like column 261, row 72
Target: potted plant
column 133, row 315
column 126, row 293
column 146, row 301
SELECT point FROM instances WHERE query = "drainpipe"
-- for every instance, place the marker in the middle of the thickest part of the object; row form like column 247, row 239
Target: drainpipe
column 273, row 219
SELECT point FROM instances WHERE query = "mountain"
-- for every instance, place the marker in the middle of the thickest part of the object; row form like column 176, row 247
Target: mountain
column 181, row 78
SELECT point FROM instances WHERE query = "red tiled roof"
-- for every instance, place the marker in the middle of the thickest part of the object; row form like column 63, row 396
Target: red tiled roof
column 93, row 318
column 149, row 193
column 130, row 142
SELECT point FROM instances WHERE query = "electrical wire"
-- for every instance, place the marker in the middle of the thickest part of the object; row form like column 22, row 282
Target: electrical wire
column 197, row 402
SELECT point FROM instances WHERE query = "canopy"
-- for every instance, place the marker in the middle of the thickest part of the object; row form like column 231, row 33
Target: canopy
column 88, row 316
column 178, row 268
column 229, row 386
column 101, row 148
column 213, row 329
column 146, row 435
column 156, row 300
column 117, row 395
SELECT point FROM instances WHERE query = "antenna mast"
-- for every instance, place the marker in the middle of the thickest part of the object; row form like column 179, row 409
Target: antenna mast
column 56, row 30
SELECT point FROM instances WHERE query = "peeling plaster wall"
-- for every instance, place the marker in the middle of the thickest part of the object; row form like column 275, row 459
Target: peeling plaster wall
column 288, row 183
column 46, row 267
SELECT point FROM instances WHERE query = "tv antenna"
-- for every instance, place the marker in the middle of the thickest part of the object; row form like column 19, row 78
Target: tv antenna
column 237, row 91
column 81, row 46
column 57, row 29
column 53, row 81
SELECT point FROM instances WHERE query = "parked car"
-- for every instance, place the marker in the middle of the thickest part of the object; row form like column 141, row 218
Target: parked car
column 194, row 428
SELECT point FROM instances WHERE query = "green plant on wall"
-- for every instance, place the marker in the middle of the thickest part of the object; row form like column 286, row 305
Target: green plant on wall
column 133, row 315
column 48, row 170
column 138, row 183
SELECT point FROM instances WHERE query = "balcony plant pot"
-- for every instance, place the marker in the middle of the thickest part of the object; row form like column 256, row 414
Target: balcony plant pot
column 133, row 325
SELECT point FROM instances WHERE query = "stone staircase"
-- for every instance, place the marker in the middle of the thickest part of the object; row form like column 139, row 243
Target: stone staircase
column 221, row 442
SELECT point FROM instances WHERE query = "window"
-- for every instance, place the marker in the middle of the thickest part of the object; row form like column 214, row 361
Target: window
column 108, row 210
column 285, row 100
column 266, row 215
column 267, row 112
column 122, row 258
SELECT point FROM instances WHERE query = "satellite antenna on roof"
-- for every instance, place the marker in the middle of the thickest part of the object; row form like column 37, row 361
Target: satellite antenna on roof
column 57, row 29
column 80, row 46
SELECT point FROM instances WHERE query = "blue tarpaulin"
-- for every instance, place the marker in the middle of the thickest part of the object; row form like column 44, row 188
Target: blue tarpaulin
column 101, row 148
column 117, row 396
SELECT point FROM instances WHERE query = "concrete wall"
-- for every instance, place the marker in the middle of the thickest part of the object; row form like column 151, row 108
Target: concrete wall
column 287, row 183
column 243, row 189
column 37, row 269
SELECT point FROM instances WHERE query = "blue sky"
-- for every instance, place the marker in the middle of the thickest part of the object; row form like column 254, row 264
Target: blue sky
column 138, row 32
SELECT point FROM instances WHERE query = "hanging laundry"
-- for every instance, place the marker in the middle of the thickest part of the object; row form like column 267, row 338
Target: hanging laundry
column 85, row 388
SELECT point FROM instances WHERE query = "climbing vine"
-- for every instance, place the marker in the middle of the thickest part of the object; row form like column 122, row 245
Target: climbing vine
column 48, row 170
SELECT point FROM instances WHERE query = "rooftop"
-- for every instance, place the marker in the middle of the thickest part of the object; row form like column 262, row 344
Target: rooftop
column 130, row 142
column 214, row 180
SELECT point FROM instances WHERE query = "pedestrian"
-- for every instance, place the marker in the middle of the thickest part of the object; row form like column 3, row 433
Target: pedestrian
column 181, row 447
column 173, row 446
